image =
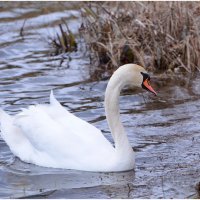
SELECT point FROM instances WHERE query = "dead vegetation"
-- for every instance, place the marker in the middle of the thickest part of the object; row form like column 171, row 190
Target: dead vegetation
column 64, row 41
column 198, row 189
column 162, row 36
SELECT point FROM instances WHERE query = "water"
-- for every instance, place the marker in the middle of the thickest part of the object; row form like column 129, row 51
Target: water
column 164, row 131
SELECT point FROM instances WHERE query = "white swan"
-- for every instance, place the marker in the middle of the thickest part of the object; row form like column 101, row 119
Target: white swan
column 50, row 136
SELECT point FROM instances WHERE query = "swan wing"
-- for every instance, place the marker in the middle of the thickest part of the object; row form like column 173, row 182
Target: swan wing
column 54, row 137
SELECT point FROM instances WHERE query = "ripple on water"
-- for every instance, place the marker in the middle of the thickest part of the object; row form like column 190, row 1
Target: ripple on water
column 164, row 131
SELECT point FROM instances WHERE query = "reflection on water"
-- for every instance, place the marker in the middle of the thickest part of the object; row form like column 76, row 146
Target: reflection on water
column 163, row 130
column 39, row 181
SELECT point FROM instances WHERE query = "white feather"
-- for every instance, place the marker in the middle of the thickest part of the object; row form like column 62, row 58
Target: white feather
column 50, row 136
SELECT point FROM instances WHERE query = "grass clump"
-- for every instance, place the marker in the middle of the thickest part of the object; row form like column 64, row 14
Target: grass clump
column 162, row 36
column 64, row 41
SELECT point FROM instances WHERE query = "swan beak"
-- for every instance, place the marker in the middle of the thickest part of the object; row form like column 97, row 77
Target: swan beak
column 146, row 85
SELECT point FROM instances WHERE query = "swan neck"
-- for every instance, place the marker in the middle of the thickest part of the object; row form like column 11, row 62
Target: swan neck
column 114, row 87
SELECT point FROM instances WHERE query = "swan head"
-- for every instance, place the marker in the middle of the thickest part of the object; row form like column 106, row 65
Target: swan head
column 136, row 75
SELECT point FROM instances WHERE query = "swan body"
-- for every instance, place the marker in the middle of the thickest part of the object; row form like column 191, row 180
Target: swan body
column 50, row 136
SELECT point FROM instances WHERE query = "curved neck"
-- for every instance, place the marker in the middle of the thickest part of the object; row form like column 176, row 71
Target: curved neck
column 116, row 83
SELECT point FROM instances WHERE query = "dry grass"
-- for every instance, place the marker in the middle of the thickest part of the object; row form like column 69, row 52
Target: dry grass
column 64, row 41
column 162, row 36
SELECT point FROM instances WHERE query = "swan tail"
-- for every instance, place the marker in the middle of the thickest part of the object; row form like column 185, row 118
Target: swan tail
column 6, row 123
column 14, row 138
column 5, row 119
column 3, row 115
column 9, row 132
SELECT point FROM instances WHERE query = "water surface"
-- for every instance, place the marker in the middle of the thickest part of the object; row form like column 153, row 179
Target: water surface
column 164, row 131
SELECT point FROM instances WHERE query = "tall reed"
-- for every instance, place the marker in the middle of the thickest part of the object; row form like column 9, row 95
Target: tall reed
column 158, row 35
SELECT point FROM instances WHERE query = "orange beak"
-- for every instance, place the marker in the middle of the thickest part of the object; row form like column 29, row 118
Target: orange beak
column 148, row 86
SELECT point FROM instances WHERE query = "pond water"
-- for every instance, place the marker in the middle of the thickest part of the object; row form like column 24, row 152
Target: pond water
column 164, row 131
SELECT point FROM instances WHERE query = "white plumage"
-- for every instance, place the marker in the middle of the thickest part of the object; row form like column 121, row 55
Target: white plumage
column 50, row 136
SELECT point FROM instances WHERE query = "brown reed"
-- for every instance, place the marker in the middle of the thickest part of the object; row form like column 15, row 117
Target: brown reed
column 161, row 36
